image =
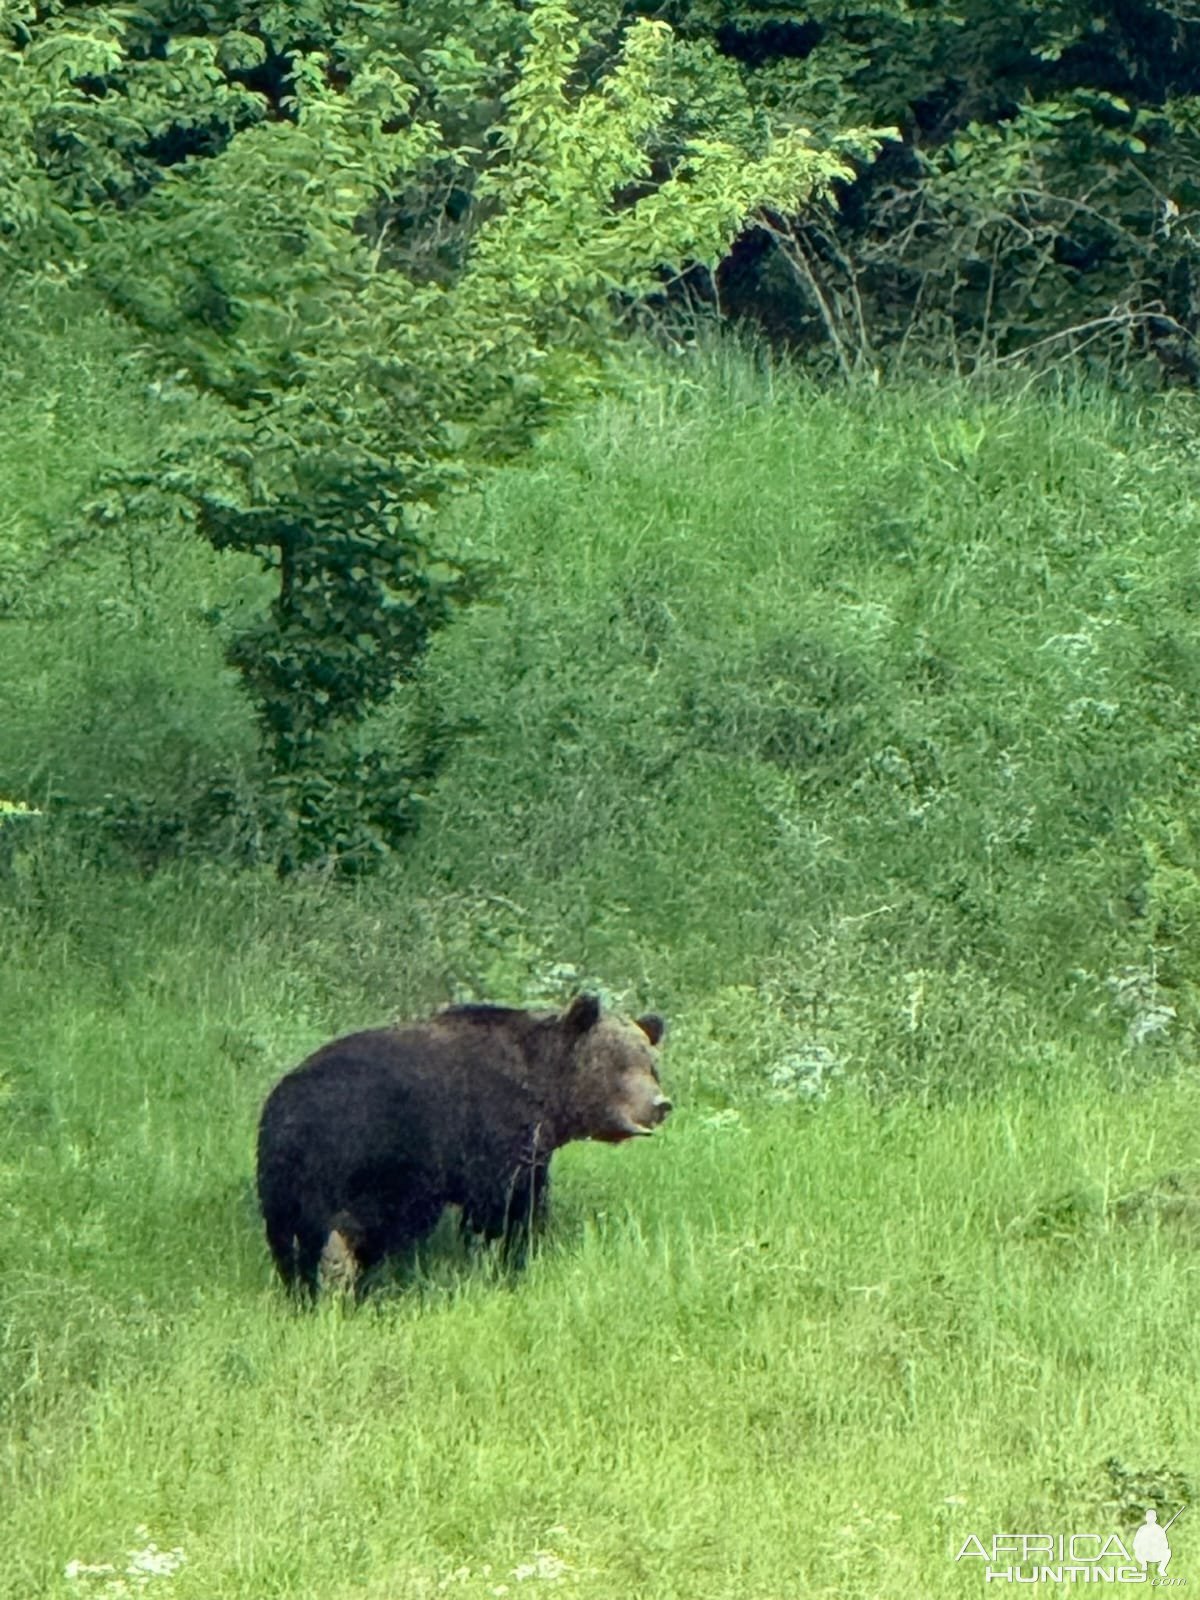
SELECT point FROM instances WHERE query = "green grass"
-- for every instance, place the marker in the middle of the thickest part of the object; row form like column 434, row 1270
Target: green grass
column 858, row 734
column 113, row 682
column 769, row 1353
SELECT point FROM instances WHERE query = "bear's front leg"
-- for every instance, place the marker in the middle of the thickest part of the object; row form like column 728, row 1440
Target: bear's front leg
column 511, row 1214
column 526, row 1213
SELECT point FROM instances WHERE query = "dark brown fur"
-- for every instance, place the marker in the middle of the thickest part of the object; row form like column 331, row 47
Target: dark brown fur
column 364, row 1144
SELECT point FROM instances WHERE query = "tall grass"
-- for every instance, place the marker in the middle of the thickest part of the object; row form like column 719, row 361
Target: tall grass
column 856, row 732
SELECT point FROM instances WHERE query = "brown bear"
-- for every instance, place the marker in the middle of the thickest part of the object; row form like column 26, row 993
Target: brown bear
column 363, row 1145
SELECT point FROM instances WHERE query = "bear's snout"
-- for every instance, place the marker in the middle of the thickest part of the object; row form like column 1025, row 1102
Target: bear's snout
column 656, row 1112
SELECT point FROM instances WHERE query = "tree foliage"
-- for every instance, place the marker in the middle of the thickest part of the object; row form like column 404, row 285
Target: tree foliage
column 389, row 238
column 1044, row 196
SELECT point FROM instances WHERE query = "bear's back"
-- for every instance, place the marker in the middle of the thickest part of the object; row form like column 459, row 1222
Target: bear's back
column 464, row 1055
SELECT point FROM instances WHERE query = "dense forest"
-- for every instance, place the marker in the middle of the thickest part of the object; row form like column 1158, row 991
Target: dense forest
column 695, row 504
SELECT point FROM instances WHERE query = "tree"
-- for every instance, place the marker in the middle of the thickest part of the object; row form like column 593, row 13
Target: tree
column 262, row 189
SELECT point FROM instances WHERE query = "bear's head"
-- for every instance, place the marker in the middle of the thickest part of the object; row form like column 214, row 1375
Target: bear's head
column 613, row 1090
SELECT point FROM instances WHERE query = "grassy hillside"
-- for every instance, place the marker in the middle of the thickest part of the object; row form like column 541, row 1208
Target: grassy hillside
column 856, row 733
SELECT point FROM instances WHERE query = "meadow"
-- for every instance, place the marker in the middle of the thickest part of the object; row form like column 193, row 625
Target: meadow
column 858, row 733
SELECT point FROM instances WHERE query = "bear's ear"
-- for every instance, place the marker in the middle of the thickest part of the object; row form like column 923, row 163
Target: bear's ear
column 652, row 1026
column 583, row 1013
